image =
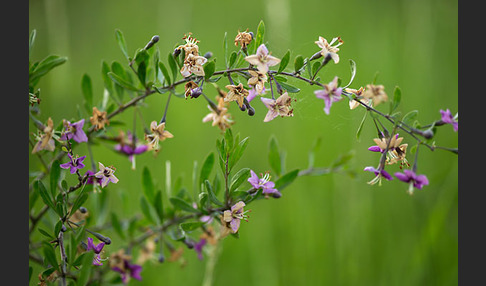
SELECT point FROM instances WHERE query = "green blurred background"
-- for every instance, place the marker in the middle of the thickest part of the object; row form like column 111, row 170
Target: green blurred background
column 327, row 230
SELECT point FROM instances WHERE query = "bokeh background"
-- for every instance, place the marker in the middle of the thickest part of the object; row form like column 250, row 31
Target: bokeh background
column 326, row 230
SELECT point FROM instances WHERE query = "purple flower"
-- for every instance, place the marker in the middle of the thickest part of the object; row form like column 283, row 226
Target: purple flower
column 331, row 93
column 378, row 175
column 449, row 119
column 262, row 59
column 75, row 131
column 105, row 174
column 97, row 250
column 131, row 148
column 234, row 216
column 267, row 186
column 414, row 180
column 74, row 163
column 198, row 248
column 128, row 270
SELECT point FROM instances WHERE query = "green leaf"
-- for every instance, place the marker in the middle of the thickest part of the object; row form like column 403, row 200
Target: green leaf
column 260, row 34
column 284, row 62
column 82, row 197
column 289, row 88
column 142, row 73
column 165, row 73
column 145, row 207
column 46, row 233
column 238, row 179
column 183, row 205
column 313, row 151
column 211, row 194
column 190, row 226
column 54, row 177
column 86, row 266
column 298, row 63
column 353, row 72
column 360, row 127
column 173, row 65
column 45, row 66
column 50, row 255
column 77, row 262
column 158, row 205
column 274, row 158
column 121, row 43
column 225, row 48
column 121, row 82
column 148, row 185
column 237, row 153
column 286, row 179
column 30, row 267
column 87, row 90
column 45, row 195
column 228, row 137
column 410, row 117
column 397, row 98
column 206, row 168
column 209, row 69
column 31, row 40
column 342, row 159
column 232, row 59
column 116, row 225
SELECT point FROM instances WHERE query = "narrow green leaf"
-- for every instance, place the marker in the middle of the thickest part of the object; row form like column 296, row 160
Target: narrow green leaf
column 54, row 177
column 165, row 73
column 225, row 49
column 209, row 69
column 82, row 197
column 183, row 205
column 50, row 255
column 121, row 43
column 45, row 66
column 232, row 59
column 173, row 66
column 45, row 195
column 31, row 40
column 190, row 226
column 206, row 168
column 115, row 222
column 145, row 207
column 313, row 151
column 286, row 179
column 158, row 205
column 360, row 127
column 86, row 266
column 343, row 159
column 46, row 233
column 410, row 117
column 274, row 158
column 284, row 62
column 353, row 72
column 121, row 82
column 289, row 88
column 148, row 185
column 30, row 267
column 298, row 63
column 87, row 90
column 397, row 98
column 238, row 152
column 142, row 73
column 238, row 179
column 260, row 34
column 211, row 194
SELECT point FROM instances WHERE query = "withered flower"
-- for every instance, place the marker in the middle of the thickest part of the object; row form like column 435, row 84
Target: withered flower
column 236, row 93
column 99, row 119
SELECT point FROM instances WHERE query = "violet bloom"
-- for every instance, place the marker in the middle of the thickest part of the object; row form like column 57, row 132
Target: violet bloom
column 91, row 178
column 234, row 216
column 128, row 271
column 262, row 59
column 414, row 180
column 131, row 148
column 198, row 248
column 378, row 175
column 449, row 119
column 74, row 164
column 105, row 174
column 267, row 186
column 331, row 93
column 97, row 248
column 75, row 131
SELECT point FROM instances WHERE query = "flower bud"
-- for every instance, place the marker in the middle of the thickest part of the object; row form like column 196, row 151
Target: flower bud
column 195, row 93
column 63, row 228
column 208, row 55
column 105, row 239
column 251, row 110
column 154, row 40
column 243, row 107
column 161, row 258
column 189, row 243
column 176, row 52
column 276, row 195
column 83, row 210
column 428, row 134
column 252, row 36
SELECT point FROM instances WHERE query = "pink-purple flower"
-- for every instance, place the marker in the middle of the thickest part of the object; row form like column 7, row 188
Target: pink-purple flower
column 449, row 119
column 74, row 131
column 331, row 93
column 414, row 180
column 262, row 59
column 97, row 248
column 379, row 173
column 232, row 218
column 130, row 147
column 128, row 271
column 74, row 164
column 264, row 183
column 106, row 175
column 199, row 246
